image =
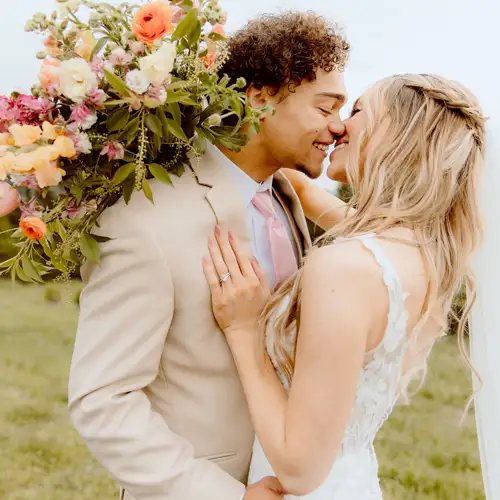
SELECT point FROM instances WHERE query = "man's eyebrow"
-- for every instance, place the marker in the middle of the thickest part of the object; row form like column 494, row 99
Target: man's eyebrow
column 333, row 95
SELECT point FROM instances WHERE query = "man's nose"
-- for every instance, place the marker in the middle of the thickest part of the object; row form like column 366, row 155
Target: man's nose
column 336, row 128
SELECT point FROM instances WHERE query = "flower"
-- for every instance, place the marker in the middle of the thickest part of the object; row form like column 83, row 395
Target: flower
column 152, row 22
column 77, row 79
column 177, row 13
column 9, row 199
column 30, row 209
column 64, row 147
column 27, row 181
column 49, row 131
column 97, row 98
column 25, row 135
column 210, row 58
column 65, row 6
column 138, row 48
column 219, row 29
column 157, row 93
column 159, row 65
column 48, row 174
column 33, row 227
column 119, row 57
column 114, row 150
column 86, row 44
column 80, row 140
column 49, row 74
column 137, row 81
column 6, row 139
column 6, row 164
column 83, row 117
column 53, row 46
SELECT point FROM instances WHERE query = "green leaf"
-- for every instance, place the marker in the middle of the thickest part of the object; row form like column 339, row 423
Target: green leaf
column 101, row 239
column 177, row 96
column 154, row 124
column 117, row 83
column 216, row 37
column 59, row 228
column 123, row 172
column 118, row 120
column 176, row 130
column 30, row 269
column 21, row 274
column 7, row 263
column 187, row 25
column 175, row 111
column 46, row 248
column 98, row 47
column 164, row 123
column 90, row 248
column 128, row 189
column 159, row 173
column 194, row 34
column 213, row 109
column 130, row 131
column 157, row 142
column 147, row 191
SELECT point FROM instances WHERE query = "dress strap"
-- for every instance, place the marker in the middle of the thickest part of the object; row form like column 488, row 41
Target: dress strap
column 396, row 332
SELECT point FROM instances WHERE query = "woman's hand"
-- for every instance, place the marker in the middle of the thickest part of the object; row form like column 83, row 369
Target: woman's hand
column 238, row 284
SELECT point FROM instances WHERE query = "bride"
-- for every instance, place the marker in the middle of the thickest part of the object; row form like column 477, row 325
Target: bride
column 324, row 362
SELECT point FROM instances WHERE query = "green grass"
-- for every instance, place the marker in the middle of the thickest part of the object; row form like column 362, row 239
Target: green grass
column 423, row 452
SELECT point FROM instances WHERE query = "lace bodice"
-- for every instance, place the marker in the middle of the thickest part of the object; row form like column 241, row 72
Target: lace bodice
column 355, row 471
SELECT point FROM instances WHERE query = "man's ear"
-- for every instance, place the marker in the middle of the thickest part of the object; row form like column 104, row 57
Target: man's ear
column 257, row 97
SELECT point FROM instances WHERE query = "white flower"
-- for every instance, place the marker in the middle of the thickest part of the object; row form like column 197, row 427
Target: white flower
column 83, row 144
column 65, row 6
column 77, row 79
column 159, row 65
column 137, row 81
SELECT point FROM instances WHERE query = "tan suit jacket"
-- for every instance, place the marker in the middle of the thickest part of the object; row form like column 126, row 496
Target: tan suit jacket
column 153, row 388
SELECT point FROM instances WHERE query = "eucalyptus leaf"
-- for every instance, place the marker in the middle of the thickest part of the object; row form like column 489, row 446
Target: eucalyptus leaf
column 175, row 111
column 187, row 25
column 128, row 189
column 30, row 270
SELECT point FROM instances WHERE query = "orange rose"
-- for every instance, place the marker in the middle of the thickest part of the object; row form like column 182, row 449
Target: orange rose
column 33, row 227
column 152, row 22
column 49, row 73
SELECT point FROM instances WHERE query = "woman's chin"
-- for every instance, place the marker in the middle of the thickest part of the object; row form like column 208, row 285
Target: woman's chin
column 336, row 173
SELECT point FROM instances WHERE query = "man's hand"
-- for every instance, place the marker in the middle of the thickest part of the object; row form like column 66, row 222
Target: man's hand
column 268, row 488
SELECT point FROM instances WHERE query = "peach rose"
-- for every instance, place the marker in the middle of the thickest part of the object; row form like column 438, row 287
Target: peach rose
column 9, row 199
column 25, row 135
column 33, row 227
column 49, row 74
column 152, row 22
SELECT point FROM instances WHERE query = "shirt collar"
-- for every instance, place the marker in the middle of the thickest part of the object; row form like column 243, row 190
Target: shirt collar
column 247, row 186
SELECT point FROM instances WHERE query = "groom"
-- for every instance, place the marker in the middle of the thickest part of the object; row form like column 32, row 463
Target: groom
column 153, row 388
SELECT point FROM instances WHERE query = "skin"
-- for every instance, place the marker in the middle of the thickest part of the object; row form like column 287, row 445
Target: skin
column 308, row 116
column 343, row 315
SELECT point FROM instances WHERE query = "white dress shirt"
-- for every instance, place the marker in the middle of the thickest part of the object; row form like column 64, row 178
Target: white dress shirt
column 256, row 222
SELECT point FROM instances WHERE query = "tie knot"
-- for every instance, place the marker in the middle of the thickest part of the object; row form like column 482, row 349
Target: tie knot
column 264, row 204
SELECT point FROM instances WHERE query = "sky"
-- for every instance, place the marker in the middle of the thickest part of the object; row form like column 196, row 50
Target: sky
column 458, row 39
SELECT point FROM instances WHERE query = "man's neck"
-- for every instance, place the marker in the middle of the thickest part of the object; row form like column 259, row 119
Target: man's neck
column 253, row 161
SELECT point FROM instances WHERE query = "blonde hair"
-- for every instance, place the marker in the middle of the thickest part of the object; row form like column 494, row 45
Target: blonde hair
column 423, row 175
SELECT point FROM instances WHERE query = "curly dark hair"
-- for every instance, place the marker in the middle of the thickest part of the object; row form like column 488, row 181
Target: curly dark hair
column 278, row 50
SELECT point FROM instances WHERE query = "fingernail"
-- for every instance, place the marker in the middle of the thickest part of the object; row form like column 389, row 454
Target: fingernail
column 217, row 228
column 231, row 235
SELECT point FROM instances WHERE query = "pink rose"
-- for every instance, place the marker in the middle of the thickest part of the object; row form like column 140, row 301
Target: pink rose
column 97, row 98
column 83, row 117
column 9, row 199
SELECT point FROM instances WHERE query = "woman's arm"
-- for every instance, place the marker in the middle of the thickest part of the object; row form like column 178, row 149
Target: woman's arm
column 301, row 435
column 320, row 206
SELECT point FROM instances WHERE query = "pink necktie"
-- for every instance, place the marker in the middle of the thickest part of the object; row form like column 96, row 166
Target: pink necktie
column 284, row 261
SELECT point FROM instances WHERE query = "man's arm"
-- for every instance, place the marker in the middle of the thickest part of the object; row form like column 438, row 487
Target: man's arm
column 126, row 311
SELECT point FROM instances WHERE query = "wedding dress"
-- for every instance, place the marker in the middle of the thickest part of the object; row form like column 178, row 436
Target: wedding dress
column 354, row 475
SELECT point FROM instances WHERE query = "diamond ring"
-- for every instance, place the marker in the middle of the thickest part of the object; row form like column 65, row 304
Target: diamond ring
column 225, row 277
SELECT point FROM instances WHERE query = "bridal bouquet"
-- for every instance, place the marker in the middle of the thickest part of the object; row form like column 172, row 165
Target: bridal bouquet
column 128, row 94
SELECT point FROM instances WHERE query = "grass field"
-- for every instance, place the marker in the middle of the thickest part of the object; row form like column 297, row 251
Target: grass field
column 423, row 452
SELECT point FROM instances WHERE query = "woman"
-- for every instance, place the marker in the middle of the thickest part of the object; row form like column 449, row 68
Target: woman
column 349, row 331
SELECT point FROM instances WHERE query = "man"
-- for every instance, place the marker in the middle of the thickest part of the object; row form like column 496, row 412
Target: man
column 153, row 387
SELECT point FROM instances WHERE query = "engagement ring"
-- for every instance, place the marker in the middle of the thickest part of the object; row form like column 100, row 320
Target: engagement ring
column 225, row 277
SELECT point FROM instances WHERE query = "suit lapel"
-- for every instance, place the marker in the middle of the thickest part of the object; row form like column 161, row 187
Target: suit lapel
column 291, row 204
column 223, row 196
